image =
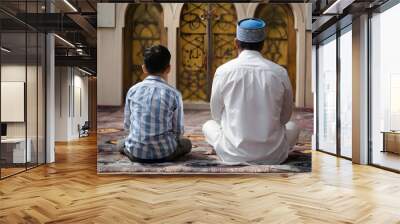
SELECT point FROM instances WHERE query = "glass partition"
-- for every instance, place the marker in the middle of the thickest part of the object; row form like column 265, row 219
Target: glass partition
column 14, row 153
column 23, row 89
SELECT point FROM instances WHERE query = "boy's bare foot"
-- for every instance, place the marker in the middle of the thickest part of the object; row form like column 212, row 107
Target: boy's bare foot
column 210, row 152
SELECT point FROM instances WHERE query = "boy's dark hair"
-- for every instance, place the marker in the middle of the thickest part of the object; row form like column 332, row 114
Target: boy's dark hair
column 156, row 59
column 251, row 46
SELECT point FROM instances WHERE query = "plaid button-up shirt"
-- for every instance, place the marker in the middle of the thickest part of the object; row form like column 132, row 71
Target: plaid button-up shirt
column 154, row 118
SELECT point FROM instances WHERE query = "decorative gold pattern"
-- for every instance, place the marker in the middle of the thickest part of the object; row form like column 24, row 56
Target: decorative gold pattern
column 195, row 77
column 144, row 28
column 280, row 44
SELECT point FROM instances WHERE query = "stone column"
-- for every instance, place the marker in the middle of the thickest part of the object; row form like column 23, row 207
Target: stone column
column 50, row 95
column 360, row 90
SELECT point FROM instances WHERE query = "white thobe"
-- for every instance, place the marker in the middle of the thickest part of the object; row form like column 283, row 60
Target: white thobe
column 251, row 103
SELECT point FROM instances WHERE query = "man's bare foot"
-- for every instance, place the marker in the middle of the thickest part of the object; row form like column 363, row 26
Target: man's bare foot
column 210, row 152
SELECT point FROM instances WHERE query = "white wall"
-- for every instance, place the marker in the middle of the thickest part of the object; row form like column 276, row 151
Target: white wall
column 79, row 117
column 67, row 115
column 110, row 59
column 308, row 85
column 110, row 49
column 109, row 66
column 61, row 103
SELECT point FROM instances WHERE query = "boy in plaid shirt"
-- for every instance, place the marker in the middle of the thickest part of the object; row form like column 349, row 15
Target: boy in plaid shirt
column 154, row 113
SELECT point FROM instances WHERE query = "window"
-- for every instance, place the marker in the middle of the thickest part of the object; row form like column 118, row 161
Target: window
column 334, row 99
column 346, row 93
column 327, row 95
column 385, row 89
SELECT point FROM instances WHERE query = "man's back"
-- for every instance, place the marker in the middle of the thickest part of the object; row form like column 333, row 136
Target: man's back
column 252, row 99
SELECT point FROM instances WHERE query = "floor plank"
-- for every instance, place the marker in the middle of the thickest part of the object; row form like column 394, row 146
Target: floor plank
column 70, row 191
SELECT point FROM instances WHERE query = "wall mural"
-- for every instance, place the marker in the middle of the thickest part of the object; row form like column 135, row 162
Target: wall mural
column 280, row 44
column 206, row 40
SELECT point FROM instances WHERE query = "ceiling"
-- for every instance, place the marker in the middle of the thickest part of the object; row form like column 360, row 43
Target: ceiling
column 72, row 20
column 75, row 21
column 330, row 15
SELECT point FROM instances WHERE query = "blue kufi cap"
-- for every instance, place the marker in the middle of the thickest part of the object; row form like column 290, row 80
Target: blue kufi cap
column 251, row 30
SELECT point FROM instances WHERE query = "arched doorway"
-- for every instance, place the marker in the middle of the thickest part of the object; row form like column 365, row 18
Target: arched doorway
column 280, row 43
column 144, row 27
column 205, row 41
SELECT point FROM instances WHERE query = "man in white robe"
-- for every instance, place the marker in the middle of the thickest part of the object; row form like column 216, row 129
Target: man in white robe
column 251, row 104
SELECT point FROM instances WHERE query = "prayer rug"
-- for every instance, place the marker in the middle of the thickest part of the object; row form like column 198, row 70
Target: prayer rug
column 199, row 161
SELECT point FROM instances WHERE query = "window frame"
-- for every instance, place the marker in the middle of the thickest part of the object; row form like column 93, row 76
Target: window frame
column 335, row 36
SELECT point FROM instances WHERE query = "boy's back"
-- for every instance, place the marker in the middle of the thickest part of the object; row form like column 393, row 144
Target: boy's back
column 154, row 118
column 154, row 114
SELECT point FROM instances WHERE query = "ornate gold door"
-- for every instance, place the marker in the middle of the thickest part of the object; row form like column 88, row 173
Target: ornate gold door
column 144, row 27
column 206, row 40
column 280, row 43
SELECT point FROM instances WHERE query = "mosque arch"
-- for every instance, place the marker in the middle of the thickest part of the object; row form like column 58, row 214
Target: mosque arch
column 280, row 43
column 144, row 27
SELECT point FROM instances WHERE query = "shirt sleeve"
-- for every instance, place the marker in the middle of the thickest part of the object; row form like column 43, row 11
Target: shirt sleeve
column 287, row 107
column 178, row 119
column 127, row 113
column 216, row 101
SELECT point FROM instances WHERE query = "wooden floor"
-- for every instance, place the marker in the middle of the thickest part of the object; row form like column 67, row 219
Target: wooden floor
column 5, row 172
column 70, row 191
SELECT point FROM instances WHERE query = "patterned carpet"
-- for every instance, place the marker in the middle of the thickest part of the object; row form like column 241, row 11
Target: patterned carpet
column 110, row 161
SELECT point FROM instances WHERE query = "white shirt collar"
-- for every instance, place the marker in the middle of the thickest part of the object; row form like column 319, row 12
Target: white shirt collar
column 250, row 53
column 154, row 77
